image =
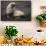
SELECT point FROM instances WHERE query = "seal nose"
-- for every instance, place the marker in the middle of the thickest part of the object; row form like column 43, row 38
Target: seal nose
column 13, row 5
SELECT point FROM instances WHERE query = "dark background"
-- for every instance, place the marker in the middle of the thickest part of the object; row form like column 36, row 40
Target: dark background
column 24, row 6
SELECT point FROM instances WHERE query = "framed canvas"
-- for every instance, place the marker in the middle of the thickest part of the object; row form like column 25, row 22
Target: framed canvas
column 15, row 10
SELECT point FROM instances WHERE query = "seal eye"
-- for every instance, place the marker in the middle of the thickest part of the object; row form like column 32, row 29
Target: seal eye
column 13, row 5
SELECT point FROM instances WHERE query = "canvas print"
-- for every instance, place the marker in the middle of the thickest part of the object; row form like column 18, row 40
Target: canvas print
column 15, row 10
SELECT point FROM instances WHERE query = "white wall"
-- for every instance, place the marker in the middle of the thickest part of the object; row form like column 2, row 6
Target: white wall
column 27, row 27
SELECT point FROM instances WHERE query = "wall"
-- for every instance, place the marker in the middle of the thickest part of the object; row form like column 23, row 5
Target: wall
column 27, row 27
